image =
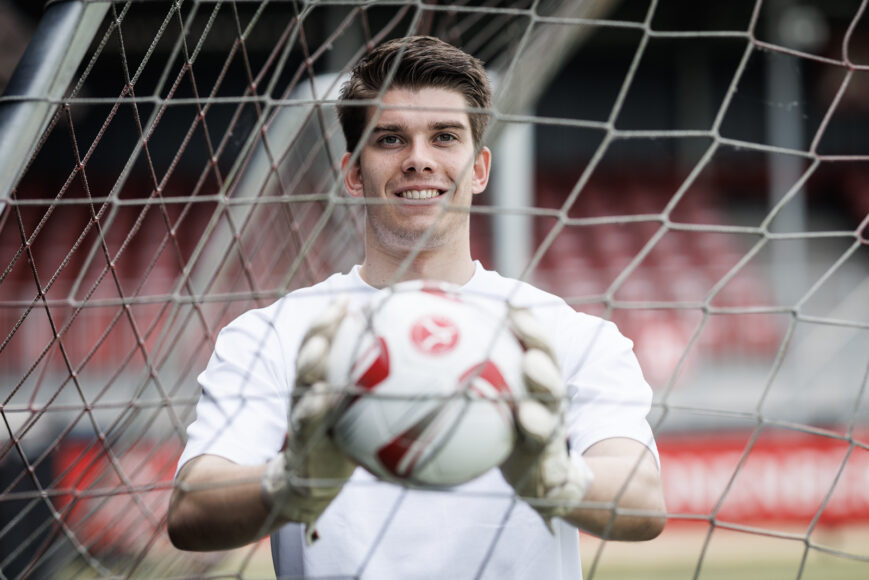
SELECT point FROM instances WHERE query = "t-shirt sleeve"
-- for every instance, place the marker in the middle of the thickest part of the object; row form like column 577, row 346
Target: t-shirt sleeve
column 242, row 411
column 609, row 395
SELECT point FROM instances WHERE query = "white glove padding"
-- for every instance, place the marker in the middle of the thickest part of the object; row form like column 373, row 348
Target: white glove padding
column 301, row 482
column 540, row 468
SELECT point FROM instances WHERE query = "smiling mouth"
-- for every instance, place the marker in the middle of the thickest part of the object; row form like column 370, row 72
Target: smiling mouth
column 421, row 194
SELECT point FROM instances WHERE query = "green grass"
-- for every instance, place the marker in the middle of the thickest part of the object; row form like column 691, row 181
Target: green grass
column 825, row 569
column 689, row 553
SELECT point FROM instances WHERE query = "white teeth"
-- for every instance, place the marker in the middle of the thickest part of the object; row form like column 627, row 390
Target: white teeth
column 419, row 193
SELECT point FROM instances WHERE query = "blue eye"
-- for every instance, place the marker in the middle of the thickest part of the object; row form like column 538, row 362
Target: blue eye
column 389, row 140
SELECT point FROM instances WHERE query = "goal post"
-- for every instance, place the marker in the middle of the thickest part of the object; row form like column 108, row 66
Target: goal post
column 41, row 80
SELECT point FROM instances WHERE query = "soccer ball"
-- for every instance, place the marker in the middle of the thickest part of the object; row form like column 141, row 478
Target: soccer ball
column 432, row 376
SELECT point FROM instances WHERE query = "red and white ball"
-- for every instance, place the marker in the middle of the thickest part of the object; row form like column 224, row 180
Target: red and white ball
column 433, row 377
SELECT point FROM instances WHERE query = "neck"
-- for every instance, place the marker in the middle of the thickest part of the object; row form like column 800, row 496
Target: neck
column 381, row 268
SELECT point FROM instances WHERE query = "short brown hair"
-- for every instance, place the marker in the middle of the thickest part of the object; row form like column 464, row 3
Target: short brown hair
column 424, row 62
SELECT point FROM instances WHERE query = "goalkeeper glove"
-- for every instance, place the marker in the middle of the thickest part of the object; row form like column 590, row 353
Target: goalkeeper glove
column 301, row 482
column 540, row 468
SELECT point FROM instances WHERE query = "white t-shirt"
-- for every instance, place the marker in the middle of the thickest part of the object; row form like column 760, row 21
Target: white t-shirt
column 376, row 530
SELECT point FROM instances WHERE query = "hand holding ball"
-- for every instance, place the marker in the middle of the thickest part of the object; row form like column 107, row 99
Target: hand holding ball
column 432, row 377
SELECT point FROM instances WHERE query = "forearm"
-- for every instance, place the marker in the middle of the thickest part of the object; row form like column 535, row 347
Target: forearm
column 625, row 500
column 218, row 505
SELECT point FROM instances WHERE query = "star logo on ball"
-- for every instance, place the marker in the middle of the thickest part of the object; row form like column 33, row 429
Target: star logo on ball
column 433, row 334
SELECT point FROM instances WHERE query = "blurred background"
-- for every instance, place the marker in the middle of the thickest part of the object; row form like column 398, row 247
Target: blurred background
column 696, row 172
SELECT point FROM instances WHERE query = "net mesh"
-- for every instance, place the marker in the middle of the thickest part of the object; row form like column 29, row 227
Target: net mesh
column 701, row 180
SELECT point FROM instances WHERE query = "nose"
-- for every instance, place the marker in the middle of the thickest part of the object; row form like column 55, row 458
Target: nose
column 418, row 158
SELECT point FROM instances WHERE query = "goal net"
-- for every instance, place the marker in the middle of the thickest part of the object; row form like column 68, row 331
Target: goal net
column 697, row 173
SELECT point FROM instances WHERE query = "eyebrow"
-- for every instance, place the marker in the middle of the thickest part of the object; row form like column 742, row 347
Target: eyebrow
column 391, row 128
column 435, row 126
column 454, row 125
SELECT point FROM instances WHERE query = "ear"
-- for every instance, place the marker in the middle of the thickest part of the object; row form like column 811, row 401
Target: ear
column 352, row 176
column 482, row 164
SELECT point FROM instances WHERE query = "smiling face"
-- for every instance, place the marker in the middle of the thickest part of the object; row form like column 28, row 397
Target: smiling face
column 418, row 162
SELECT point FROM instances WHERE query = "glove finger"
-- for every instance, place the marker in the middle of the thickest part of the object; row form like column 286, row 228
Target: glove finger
column 326, row 323
column 554, row 469
column 310, row 442
column 543, row 378
column 311, row 363
column 310, row 411
column 564, row 480
column 535, row 422
column 529, row 331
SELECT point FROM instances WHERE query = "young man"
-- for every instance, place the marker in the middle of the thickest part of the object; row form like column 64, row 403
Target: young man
column 414, row 151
